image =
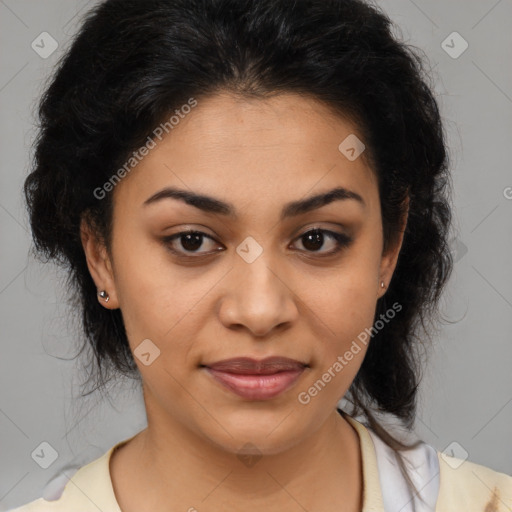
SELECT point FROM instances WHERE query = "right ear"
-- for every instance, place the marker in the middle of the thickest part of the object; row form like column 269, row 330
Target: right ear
column 98, row 262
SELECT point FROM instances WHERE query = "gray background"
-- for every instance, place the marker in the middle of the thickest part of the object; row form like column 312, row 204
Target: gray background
column 466, row 396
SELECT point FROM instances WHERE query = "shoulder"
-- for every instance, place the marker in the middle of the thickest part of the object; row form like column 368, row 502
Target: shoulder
column 472, row 486
column 52, row 499
column 444, row 483
column 39, row 505
column 88, row 489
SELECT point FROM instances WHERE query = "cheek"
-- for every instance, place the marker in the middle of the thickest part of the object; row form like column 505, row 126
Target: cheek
column 344, row 310
column 348, row 312
column 154, row 297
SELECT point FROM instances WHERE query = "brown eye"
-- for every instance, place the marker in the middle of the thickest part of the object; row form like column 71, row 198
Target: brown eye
column 314, row 239
column 190, row 241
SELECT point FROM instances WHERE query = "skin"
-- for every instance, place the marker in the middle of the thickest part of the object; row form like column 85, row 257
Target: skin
column 290, row 301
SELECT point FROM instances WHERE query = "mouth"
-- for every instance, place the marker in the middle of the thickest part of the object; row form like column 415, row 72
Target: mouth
column 256, row 379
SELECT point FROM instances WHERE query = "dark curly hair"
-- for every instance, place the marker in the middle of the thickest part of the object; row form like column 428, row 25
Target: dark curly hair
column 134, row 62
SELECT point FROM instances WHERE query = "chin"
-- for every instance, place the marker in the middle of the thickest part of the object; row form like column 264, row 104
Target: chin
column 262, row 432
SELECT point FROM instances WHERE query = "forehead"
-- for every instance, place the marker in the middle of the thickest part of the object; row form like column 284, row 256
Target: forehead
column 276, row 149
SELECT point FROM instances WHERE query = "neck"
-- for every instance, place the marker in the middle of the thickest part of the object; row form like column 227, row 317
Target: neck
column 322, row 472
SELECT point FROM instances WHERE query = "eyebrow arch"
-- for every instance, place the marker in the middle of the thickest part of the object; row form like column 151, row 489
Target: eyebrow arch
column 212, row 205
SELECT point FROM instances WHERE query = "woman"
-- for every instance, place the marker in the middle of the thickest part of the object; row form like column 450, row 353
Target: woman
column 252, row 201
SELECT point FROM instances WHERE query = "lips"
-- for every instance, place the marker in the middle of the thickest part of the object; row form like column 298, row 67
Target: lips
column 248, row 366
column 257, row 379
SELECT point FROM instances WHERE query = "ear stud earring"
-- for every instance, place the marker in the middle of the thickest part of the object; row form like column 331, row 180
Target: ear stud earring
column 382, row 285
column 104, row 295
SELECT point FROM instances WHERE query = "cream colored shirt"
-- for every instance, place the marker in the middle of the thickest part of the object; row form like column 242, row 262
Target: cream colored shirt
column 448, row 483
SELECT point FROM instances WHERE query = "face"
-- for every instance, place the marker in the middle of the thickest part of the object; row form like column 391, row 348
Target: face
column 266, row 273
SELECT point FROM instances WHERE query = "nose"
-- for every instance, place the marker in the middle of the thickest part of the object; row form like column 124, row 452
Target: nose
column 257, row 297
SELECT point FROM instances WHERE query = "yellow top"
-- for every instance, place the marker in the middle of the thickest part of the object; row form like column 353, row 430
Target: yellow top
column 463, row 486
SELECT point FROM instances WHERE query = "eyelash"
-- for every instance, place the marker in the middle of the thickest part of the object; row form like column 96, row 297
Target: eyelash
column 343, row 241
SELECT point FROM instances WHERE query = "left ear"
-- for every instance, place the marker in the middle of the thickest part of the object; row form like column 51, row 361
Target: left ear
column 390, row 257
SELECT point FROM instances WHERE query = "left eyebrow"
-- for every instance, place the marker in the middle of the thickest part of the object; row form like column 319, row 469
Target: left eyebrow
column 210, row 204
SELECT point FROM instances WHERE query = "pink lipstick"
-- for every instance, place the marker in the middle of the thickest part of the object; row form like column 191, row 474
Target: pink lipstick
column 257, row 380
